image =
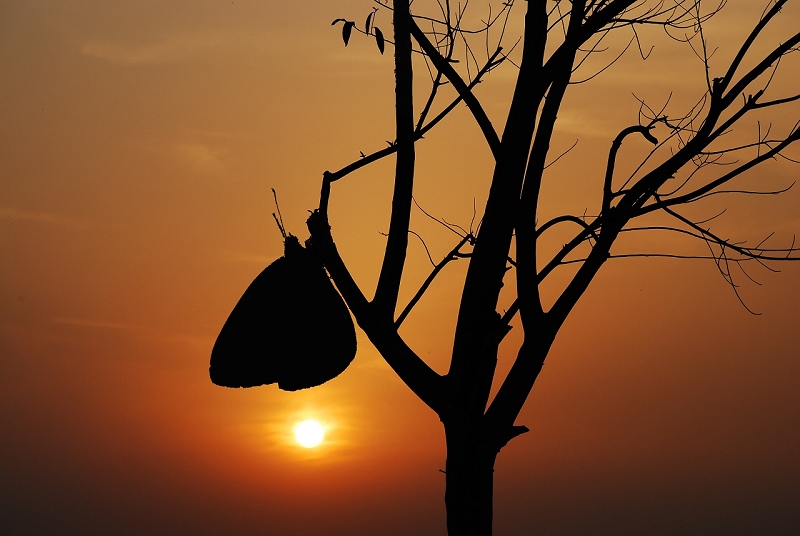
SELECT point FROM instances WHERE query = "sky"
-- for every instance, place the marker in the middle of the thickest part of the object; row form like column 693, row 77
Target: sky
column 139, row 144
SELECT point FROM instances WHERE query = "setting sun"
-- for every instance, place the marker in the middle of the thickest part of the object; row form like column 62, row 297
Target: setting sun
column 309, row 433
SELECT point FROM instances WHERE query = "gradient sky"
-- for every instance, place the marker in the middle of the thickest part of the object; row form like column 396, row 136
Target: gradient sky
column 138, row 145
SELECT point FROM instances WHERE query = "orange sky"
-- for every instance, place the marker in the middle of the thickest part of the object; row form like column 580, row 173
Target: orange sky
column 138, row 145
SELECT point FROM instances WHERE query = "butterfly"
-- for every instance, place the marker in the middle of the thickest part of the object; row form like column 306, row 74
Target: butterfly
column 290, row 327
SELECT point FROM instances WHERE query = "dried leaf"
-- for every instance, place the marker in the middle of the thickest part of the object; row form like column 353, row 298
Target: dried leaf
column 379, row 39
column 369, row 22
column 347, row 30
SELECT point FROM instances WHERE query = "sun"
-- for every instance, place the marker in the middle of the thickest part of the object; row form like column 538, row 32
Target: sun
column 309, row 433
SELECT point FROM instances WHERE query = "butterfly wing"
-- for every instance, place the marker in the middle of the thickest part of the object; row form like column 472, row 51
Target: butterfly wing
column 290, row 326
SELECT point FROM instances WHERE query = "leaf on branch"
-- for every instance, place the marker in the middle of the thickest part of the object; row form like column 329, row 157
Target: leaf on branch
column 347, row 29
column 369, row 22
column 337, row 20
column 379, row 39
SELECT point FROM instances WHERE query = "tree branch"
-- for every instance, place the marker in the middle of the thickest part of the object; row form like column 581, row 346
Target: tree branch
column 759, row 69
column 612, row 159
column 419, row 133
column 564, row 218
column 478, row 326
column 527, row 286
column 729, row 74
column 396, row 245
column 464, row 91
column 793, row 137
column 413, row 371
column 453, row 255
column 753, row 253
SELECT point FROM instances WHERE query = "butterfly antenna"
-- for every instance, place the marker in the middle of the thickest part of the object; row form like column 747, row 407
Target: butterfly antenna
column 278, row 217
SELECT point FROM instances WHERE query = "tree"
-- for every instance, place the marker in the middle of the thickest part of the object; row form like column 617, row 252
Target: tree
column 691, row 160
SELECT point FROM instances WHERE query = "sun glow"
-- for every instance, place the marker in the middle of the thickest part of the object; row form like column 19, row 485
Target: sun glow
column 309, row 433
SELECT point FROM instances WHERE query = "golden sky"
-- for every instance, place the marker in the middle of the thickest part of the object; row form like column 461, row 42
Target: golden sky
column 139, row 142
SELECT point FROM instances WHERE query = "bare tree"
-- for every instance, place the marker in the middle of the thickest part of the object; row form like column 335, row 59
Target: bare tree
column 690, row 161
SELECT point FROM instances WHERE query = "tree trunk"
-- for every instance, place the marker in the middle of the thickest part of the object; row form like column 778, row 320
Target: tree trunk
column 469, row 481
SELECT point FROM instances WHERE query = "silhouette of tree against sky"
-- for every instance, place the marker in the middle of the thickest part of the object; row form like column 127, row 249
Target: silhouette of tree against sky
column 694, row 156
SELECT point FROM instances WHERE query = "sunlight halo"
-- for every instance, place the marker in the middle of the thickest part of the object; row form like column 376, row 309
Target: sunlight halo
column 309, row 433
